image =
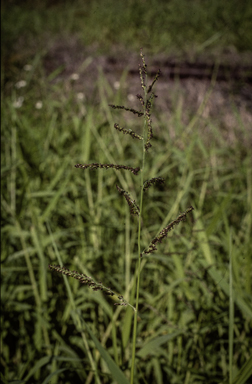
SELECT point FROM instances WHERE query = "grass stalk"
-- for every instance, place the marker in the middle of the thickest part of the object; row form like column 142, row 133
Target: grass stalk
column 231, row 311
column 138, row 267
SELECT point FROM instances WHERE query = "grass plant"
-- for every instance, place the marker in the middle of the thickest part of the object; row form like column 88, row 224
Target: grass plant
column 147, row 134
column 192, row 321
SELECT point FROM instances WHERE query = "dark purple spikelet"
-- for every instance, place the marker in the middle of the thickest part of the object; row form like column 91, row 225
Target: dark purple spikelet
column 128, row 132
column 134, row 209
column 153, row 181
column 138, row 113
column 107, row 166
column 140, row 97
column 156, row 78
column 84, row 279
column 158, row 239
column 150, row 132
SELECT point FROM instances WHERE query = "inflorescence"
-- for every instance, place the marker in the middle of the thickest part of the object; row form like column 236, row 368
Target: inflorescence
column 146, row 103
column 128, row 132
column 158, row 239
column 107, row 166
column 84, row 279
column 134, row 209
column 154, row 180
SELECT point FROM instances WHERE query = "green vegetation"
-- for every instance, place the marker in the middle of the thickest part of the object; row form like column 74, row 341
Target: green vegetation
column 194, row 316
column 160, row 26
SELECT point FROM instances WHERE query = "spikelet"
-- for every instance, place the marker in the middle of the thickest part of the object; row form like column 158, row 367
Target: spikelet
column 107, row 166
column 142, row 71
column 156, row 78
column 128, row 132
column 153, row 181
column 158, row 239
column 138, row 113
column 84, row 279
column 134, row 209
column 150, row 133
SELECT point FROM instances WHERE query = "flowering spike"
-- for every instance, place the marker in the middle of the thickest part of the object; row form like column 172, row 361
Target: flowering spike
column 142, row 71
column 128, row 132
column 154, row 180
column 107, row 166
column 150, row 133
column 84, row 279
column 127, row 109
column 156, row 78
column 158, row 239
column 134, row 209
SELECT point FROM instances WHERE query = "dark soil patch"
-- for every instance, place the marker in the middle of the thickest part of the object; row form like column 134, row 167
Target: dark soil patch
column 230, row 95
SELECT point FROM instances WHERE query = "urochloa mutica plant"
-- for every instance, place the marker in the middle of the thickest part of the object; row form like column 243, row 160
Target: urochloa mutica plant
column 136, row 208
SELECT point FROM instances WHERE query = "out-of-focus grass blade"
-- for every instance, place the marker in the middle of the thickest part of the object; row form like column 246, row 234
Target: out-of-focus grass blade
column 14, row 382
column 42, row 266
column 222, row 282
column 245, row 373
column 127, row 326
column 218, row 214
column 40, row 363
column 56, row 72
column 158, row 371
column 57, row 372
column 203, row 239
column 150, row 347
column 54, row 200
column 114, row 369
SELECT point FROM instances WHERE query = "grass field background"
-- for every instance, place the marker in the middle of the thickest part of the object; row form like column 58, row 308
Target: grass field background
column 195, row 316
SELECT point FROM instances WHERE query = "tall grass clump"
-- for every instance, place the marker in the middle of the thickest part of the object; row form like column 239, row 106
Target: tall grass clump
column 136, row 209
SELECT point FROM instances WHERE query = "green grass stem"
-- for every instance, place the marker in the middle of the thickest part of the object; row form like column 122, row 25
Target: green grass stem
column 231, row 312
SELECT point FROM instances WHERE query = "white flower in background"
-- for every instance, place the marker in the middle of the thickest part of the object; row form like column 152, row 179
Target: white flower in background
column 74, row 76
column 116, row 84
column 131, row 97
column 81, row 96
column 39, row 104
column 21, row 84
column 28, row 67
column 19, row 102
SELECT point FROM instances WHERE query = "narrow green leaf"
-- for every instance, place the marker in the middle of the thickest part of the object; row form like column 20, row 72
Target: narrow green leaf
column 57, row 372
column 245, row 373
column 152, row 345
column 53, row 202
column 222, row 282
column 218, row 214
column 114, row 369
column 39, row 364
